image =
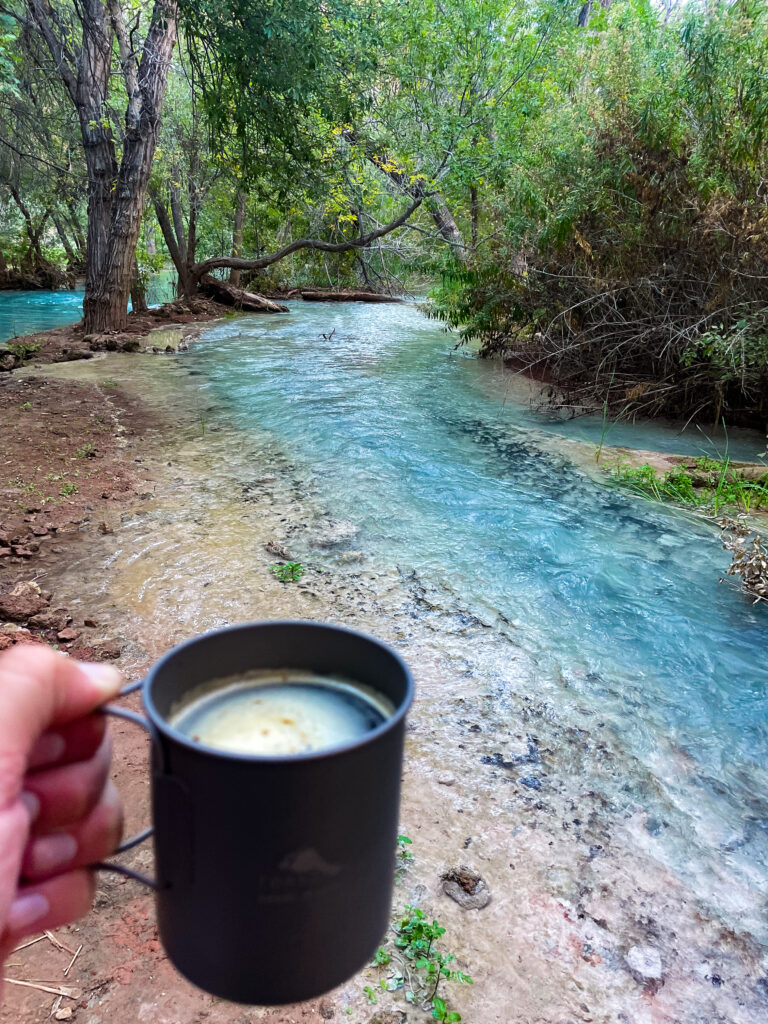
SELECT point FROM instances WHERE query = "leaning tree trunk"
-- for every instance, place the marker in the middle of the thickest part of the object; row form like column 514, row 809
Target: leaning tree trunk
column 237, row 237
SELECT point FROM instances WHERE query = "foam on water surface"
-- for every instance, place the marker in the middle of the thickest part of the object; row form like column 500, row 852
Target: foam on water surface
column 276, row 715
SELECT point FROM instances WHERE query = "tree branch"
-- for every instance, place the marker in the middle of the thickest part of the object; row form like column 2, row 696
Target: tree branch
column 129, row 65
column 361, row 242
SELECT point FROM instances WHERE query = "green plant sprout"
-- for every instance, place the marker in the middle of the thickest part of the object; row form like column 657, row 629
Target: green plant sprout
column 288, row 572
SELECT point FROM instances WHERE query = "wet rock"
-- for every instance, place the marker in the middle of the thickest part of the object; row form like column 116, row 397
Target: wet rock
column 466, row 888
column 278, row 550
column 388, row 1017
column 645, row 964
column 348, row 557
column 333, row 533
column 51, row 619
column 109, row 649
column 530, row 781
column 23, row 601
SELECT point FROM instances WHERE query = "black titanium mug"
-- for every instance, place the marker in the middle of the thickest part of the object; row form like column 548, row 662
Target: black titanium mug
column 273, row 874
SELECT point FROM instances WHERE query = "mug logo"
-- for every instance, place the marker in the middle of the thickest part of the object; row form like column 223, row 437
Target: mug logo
column 308, row 862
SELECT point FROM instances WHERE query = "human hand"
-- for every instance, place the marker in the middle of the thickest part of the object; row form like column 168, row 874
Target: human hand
column 59, row 810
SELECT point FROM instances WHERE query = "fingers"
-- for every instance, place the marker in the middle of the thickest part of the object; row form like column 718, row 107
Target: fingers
column 40, row 690
column 86, row 842
column 74, row 742
column 68, row 793
column 48, row 904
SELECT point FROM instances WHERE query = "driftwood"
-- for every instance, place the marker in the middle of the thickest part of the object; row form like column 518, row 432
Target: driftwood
column 317, row 295
column 249, row 302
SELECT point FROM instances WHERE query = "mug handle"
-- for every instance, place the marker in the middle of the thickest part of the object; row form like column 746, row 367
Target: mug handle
column 120, row 869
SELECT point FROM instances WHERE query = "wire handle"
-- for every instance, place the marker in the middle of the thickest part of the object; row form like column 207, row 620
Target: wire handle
column 136, row 719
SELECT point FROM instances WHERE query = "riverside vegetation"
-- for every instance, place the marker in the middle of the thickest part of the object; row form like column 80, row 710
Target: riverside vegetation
column 582, row 180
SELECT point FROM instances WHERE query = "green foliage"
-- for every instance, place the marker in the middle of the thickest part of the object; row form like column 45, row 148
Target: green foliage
column 403, row 853
column 23, row 350
column 288, row 572
column 68, row 489
column 629, row 230
column 704, row 483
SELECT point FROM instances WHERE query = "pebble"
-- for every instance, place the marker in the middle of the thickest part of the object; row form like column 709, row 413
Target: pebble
column 446, row 779
column 645, row 963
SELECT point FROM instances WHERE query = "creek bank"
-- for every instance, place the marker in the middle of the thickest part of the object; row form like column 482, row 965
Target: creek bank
column 64, row 472
column 64, row 344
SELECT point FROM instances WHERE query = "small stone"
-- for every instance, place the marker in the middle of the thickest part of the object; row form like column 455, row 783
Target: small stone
column 327, row 1009
column 5, row 540
column 24, row 600
column 105, row 528
column 466, row 888
column 65, row 1013
column 40, row 531
column 68, row 635
column 109, row 649
column 48, row 619
column 645, row 963
column 446, row 779
column 90, row 622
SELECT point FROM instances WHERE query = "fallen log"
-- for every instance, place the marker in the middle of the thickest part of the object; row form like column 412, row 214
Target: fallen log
column 318, row 295
column 249, row 302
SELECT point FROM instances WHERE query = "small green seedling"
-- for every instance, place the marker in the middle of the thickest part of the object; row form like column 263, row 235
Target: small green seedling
column 370, row 993
column 288, row 572
column 404, row 854
column 67, row 490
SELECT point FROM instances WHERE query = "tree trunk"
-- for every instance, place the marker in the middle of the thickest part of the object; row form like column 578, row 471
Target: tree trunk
column 187, row 283
column 249, row 302
column 72, row 258
column 138, row 290
column 106, row 308
column 33, row 233
column 115, row 196
column 237, row 237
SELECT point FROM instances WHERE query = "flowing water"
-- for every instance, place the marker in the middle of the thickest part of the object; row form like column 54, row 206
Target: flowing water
column 428, row 462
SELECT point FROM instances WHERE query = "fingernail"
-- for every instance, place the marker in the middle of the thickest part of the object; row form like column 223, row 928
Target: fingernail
column 107, row 678
column 31, row 803
column 25, row 910
column 49, row 853
column 49, row 748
